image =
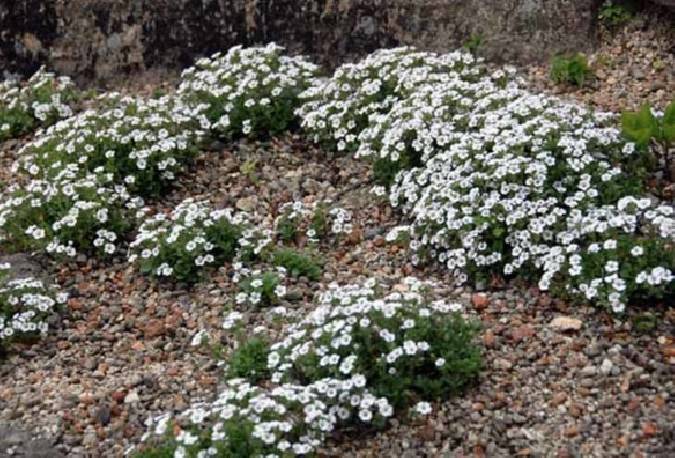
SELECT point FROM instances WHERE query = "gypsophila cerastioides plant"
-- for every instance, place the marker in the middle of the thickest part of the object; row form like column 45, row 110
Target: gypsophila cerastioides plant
column 25, row 305
column 39, row 102
column 359, row 356
column 248, row 91
column 192, row 237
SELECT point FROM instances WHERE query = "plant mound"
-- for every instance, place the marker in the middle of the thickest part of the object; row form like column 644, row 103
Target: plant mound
column 495, row 180
column 356, row 358
column 39, row 102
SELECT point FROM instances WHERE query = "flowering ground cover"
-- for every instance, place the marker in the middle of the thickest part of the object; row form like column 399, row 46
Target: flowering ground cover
column 291, row 303
column 39, row 102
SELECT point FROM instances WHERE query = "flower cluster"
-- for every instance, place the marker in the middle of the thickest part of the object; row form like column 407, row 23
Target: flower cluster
column 315, row 219
column 67, row 213
column 337, row 109
column 41, row 101
column 193, row 236
column 431, row 117
column 258, row 288
column 495, row 179
column 355, row 359
column 529, row 186
column 25, row 304
column 143, row 143
column 248, row 91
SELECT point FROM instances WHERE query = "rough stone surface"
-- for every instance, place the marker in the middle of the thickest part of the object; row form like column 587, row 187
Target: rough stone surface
column 103, row 38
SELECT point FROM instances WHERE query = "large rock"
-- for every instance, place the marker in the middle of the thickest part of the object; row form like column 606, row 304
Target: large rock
column 103, row 38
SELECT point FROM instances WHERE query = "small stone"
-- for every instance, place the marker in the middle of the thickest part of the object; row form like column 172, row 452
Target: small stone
column 103, row 415
column 606, row 367
column 131, row 397
column 576, row 410
column 521, row 332
column 565, row 323
column 154, row 328
column 649, row 429
column 489, row 338
column 247, row 204
column 589, row 371
column 502, row 364
column 479, row 301
column 558, row 399
column 572, row 431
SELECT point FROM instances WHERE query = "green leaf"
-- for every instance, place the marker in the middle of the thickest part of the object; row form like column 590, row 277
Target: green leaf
column 669, row 122
column 640, row 126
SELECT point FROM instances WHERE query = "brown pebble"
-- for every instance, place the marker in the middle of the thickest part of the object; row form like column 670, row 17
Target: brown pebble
column 479, row 301
column 489, row 338
column 558, row 399
column 572, row 431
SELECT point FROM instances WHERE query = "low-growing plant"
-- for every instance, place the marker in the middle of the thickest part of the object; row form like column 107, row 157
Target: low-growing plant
column 260, row 289
column 316, row 220
column 474, row 43
column 429, row 119
column 644, row 127
column 337, row 109
column 499, row 181
column 297, row 264
column 25, row 305
column 248, row 168
column 614, row 14
column 67, row 214
column 249, row 361
column 248, row 91
column 405, row 350
column 570, row 69
column 142, row 143
column 335, row 368
column 180, row 245
column 39, row 102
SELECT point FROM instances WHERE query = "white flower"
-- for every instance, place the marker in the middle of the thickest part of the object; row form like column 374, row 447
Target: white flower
column 423, row 408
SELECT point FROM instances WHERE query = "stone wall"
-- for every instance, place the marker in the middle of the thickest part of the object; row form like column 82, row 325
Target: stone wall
column 102, row 39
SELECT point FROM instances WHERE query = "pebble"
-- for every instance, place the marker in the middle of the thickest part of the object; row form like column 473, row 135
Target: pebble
column 565, row 323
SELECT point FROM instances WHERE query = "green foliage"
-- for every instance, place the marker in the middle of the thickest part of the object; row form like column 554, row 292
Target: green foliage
column 613, row 15
column 474, row 43
column 385, row 170
column 261, row 290
column 570, row 69
column 297, row 264
column 248, row 168
column 249, row 361
column 319, row 223
column 287, row 228
column 162, row 451
column 642, row 128
column 644, row 322
column 668, row 123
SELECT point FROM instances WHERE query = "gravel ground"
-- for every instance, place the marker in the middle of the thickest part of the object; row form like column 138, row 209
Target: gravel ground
column 122, row 350
column 557, row 381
